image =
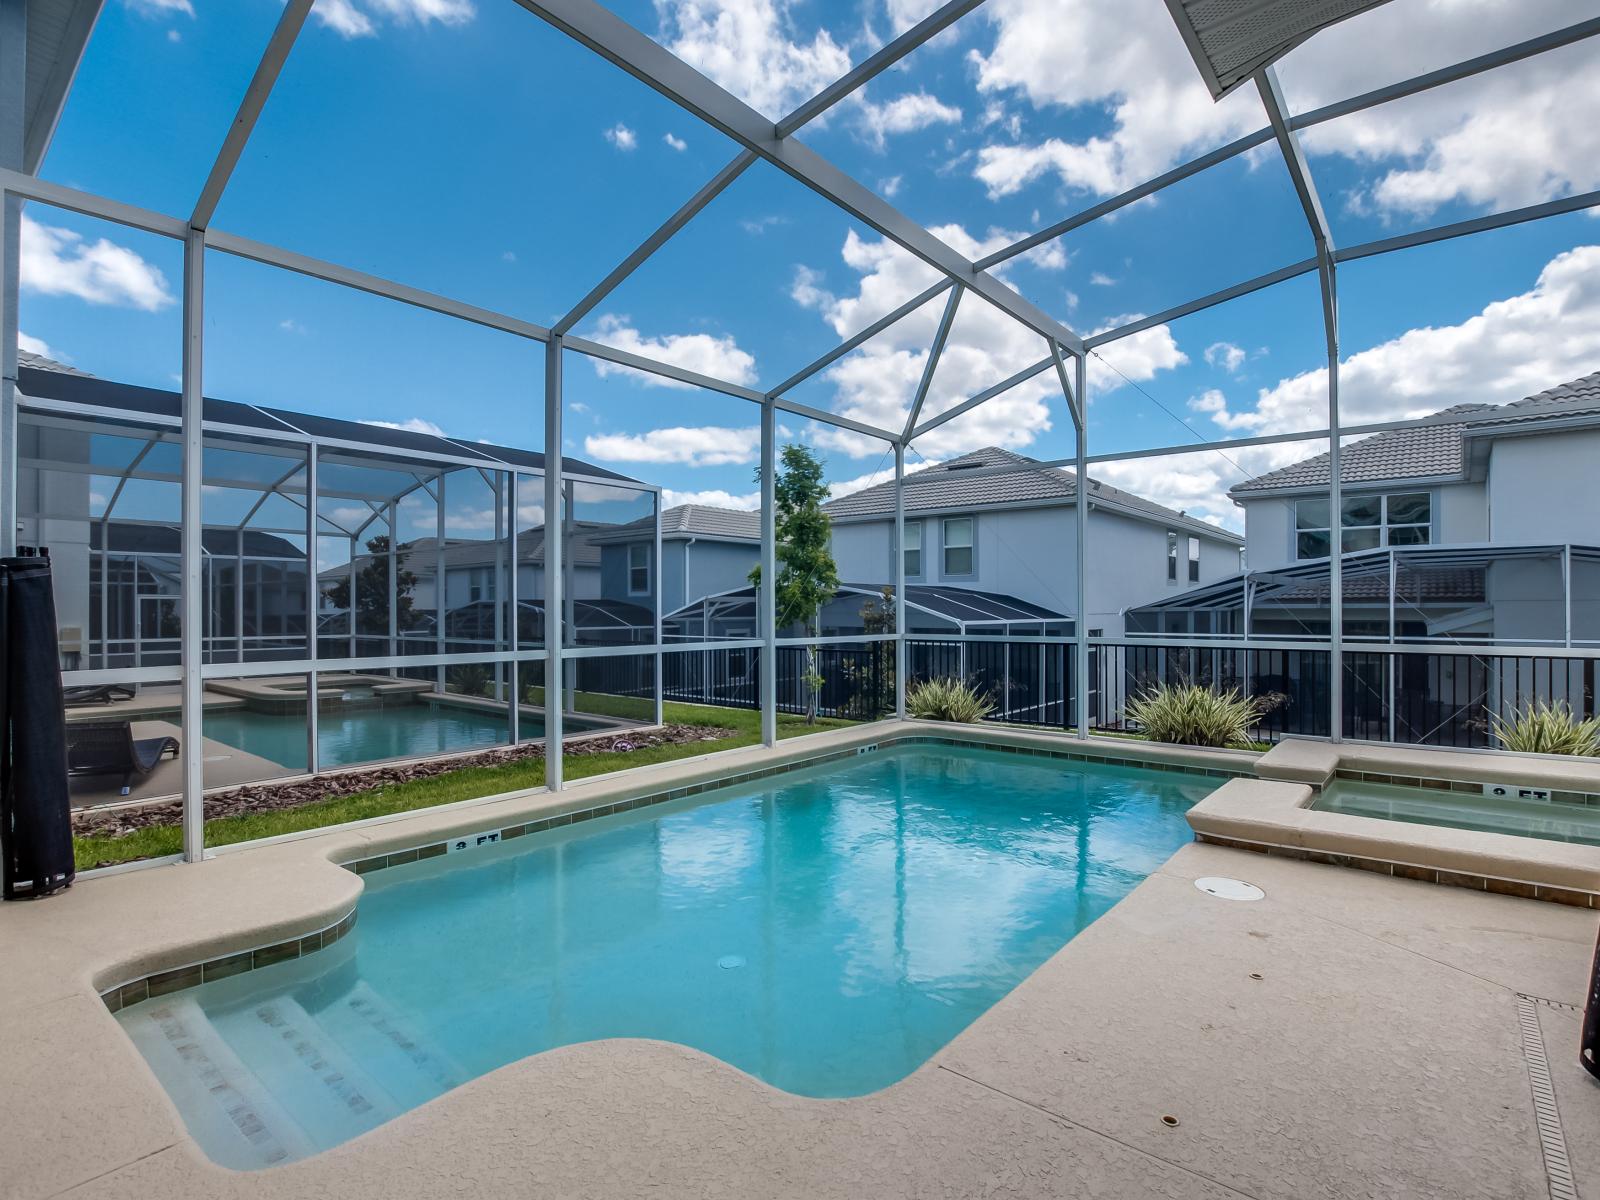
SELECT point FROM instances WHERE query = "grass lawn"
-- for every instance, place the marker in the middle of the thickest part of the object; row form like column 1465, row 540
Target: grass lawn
column 743, row 728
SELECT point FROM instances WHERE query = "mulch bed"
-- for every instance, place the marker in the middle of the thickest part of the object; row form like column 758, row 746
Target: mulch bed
column 268, row 797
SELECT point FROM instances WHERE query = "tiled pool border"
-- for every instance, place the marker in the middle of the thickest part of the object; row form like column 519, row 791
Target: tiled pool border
column 161, row 983
column 1433, row 784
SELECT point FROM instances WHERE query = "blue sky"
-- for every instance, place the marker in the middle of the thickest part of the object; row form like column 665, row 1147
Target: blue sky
column 464, row 147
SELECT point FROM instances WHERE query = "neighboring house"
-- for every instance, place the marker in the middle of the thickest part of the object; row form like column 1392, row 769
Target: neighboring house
column 1486, row 523
column 705, row 551
column 1014, row 535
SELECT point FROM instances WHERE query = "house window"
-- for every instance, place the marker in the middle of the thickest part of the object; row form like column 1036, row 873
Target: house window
column 913, row 549
column 1367, row 522
column 638, row 569
column 1172, row 556
column 480, row 584
column 958, row 546
column 1194, row 560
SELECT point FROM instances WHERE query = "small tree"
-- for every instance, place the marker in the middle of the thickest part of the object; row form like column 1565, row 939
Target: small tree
column 371, row 609
column 807, row 577
column 876, row 683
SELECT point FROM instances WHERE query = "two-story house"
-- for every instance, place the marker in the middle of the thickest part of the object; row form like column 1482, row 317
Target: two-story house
column 1015, row 535
column 1482, row 529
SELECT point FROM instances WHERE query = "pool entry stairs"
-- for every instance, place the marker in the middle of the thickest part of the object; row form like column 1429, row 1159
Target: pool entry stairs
column 237, row 1073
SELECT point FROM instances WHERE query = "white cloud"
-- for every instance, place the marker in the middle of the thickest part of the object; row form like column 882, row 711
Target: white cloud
column 876, row 383
column 1101, row 279
column 35, row 345
column 350, row 20
column 1506, row 138
column 59, row 262
column 673, row 140
column 1511, row 349
column 905, row 114
column 1127, row 58
column 715, row 498
column 508, row 256
column 703, row 446
column 1225, row 355
column 620, row 136
column 759, row 225
column 704, row 353
column 410, row 425
column 890, row 186
column 747, row 47
column 290, row 325
column 160, row 8
column 861, row 483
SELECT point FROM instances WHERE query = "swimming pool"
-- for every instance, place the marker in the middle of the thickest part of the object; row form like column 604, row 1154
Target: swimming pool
column 826, row 930
column 1552, row 820
column 368, row 734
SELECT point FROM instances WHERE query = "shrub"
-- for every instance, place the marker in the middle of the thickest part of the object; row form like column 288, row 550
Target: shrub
column 947, row 700
column 1544, row 728
column 468, row 679
column 1191, row 715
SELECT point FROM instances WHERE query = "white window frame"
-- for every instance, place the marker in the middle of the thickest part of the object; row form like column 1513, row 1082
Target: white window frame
column 971, row 548
column 913, row 532
column 1172, row 557
column 644, row 549
column 1384, row 526
column 1194, row 559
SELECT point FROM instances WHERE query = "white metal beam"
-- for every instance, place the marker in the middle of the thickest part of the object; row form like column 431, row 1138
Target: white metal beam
column 1005, row 385
column 935, row 352
column 862, row 337
column 290, row 22
column 602, row 31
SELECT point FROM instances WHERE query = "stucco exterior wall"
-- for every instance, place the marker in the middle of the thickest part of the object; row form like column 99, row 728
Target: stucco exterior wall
column 1545, row 488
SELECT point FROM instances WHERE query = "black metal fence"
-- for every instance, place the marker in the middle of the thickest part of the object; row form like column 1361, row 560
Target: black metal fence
column 1432, row 698
column 1029, row 682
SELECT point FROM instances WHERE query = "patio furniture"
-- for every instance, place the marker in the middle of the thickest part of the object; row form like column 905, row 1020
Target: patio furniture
column 103, row 693
column 109, row 748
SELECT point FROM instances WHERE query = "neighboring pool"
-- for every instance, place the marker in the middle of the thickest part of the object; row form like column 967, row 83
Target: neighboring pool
column 362, row 735
column 1547, row 819
column 826, row 930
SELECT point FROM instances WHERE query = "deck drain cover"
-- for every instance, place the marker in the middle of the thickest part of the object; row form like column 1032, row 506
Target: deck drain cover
column 1228, row 889
column 729, row 961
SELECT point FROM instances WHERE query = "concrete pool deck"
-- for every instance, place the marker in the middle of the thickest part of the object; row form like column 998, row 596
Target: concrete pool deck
column 1380, row 1053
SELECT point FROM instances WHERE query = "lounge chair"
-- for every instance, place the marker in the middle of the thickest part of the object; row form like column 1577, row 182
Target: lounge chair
column 109, row 748
column 103, row 693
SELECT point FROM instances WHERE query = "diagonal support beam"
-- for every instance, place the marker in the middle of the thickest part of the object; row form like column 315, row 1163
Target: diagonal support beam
column 858, row 339
column 592, row 25
column 1074, row 404
column 290, row 23
column 935, row 352
column 1005, row 385
column 929, row 27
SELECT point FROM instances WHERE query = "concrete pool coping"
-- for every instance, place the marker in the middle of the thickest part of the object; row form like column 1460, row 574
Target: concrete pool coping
column 1273, row 813
column 1000, row 1110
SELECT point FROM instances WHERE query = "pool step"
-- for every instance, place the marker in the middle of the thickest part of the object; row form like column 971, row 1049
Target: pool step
column 404, row 1062
column 306, row 1069
column 227, row 1109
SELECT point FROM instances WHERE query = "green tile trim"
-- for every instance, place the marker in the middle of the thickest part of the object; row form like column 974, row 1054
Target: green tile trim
column 163, row 983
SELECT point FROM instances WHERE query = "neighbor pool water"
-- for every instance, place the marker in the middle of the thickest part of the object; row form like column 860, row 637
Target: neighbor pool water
column 1549, row 819
column 360, row 735
column 826, row 930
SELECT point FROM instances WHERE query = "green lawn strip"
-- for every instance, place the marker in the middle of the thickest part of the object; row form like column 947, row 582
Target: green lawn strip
column 743, row 726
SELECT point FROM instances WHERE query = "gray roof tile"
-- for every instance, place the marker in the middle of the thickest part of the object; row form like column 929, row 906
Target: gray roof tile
column 946, row 487
column 1430, row 450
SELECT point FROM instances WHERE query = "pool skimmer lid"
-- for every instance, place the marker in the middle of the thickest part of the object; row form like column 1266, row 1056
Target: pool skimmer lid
column 1228, row 889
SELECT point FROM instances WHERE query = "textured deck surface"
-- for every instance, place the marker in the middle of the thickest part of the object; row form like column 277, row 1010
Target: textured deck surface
column 1379, row 1054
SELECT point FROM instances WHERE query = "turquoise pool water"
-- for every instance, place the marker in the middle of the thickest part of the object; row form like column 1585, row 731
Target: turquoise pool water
column 1548, row 819
column 363, row 735
column 826, row 930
